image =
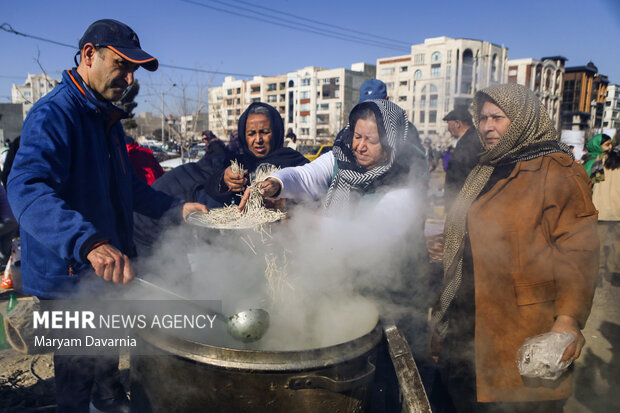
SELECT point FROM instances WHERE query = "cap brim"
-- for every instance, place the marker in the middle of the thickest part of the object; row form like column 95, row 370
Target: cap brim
column 137, row 56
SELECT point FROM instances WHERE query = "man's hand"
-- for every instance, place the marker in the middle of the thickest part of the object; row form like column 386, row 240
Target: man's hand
column 568, row 323
column 235, row 182
column 111, row 264
column 269, row 188
column 189, row 207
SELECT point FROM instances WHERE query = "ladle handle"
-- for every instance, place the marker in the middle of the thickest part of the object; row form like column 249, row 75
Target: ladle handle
column 176, row 296
column 152, row 286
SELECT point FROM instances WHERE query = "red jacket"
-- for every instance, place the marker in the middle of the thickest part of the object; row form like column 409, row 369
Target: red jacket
column 144, row 163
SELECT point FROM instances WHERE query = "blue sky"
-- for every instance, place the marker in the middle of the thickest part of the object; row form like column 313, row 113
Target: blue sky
column 183, row 33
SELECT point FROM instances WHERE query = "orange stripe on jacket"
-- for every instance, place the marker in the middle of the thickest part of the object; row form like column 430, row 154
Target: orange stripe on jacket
column 76, row 83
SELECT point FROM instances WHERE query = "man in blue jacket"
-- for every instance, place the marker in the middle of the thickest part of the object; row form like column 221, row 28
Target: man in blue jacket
column 73, row 191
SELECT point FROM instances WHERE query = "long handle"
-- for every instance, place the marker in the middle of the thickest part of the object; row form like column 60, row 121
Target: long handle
column 176, row 296
column 150, row 285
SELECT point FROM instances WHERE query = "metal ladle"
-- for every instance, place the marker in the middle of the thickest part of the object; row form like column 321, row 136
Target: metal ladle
column 247, row 326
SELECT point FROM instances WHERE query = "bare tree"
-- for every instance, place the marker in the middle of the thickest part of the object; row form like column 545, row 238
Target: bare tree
column 182, row 104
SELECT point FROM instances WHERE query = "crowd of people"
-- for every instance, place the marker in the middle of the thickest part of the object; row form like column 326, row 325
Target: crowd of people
column 521, row 250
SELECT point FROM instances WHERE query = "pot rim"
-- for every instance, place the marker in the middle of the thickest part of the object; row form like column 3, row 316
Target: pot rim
column 240, row 359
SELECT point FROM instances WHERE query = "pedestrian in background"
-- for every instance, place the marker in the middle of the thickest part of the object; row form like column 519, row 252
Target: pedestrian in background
column 143, row 161
column 606, row 198
column 466, row 152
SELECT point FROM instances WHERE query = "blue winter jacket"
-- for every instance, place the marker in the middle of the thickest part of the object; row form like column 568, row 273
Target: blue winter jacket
column 72, row 187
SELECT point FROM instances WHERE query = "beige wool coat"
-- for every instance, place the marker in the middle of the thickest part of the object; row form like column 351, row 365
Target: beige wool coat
column 535, row 253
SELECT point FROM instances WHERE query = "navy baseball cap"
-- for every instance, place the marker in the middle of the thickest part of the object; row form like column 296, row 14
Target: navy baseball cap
column 372, row 89
column 121, row 39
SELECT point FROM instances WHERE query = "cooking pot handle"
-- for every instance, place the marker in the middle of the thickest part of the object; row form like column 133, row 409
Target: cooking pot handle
column 337, row 386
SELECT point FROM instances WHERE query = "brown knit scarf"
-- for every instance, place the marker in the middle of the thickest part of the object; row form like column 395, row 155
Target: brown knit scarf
column 530, row 134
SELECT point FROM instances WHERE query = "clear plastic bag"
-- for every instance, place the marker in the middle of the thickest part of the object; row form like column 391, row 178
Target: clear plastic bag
column 540, row 356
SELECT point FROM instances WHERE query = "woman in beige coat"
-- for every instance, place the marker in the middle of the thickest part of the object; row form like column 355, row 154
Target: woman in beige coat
column 520, row 258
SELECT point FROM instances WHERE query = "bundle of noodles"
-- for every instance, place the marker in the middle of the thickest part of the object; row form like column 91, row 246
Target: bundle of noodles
column 254, row 213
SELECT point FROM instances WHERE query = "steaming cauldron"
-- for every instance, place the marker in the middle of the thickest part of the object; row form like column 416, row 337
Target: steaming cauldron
column 195, row 377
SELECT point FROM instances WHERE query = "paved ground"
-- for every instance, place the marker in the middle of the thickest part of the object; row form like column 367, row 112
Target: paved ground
column 597, row 382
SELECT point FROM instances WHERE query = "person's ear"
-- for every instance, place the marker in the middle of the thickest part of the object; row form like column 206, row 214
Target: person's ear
column 88, row 54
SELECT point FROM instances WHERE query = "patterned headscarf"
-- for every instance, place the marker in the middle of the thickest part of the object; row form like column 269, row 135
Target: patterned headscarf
column 392, row 124
column 530, row 135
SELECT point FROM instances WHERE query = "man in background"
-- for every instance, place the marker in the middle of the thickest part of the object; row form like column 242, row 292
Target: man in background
column 466, row 152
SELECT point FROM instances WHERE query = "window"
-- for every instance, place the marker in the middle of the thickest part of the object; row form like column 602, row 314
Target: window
column 304, row 119
column 282, row 97
column 304, row 94
column 272, row 98
column 436, row 70
column 421, row 116
column 433, row 101
column 433, row 88
column 282, row 85
column 229, row 101
column 322, row 119
column 402, row 98
column 255, row 100
column 449, row 57
column 403, row 83
column 229, row 112
column 337, row 93
column 417, row 74
column 338, row 105
column 418, row 59
column 272, row 87
column 305, row 131
column 322, row 106
column 255, row 89
column 305, row 81
column 403, row 69
column 304, row 107
column 229, row 92
column 291, row 83
column 436, row 57
column 387, row 70
column 432, row 116
column 423, row 101
column 389, row 85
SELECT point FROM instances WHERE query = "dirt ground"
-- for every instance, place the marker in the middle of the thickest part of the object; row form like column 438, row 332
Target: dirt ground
column 27, row 382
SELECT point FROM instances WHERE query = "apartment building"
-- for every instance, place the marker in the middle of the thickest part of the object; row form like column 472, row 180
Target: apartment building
column 35, row 88
column 320, row 100
column 611, row 112
column 226, row 103
column 583, row 100
column 314, row 102
column 545, row 77
column 439, row 75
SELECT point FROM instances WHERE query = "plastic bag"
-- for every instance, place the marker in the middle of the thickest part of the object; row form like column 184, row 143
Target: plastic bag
column 540, row 356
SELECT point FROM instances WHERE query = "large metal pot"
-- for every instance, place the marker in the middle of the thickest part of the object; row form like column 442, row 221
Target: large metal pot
column 196, row 377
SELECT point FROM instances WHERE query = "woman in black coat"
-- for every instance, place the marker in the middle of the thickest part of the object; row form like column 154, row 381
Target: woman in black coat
column 261, row 134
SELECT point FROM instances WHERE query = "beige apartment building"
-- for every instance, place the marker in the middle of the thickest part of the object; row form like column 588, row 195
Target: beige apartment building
column 611, row 113
column 439, row 75
column 35, row 88
column 545, row 77
column 320, row 100
column 313, row 102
